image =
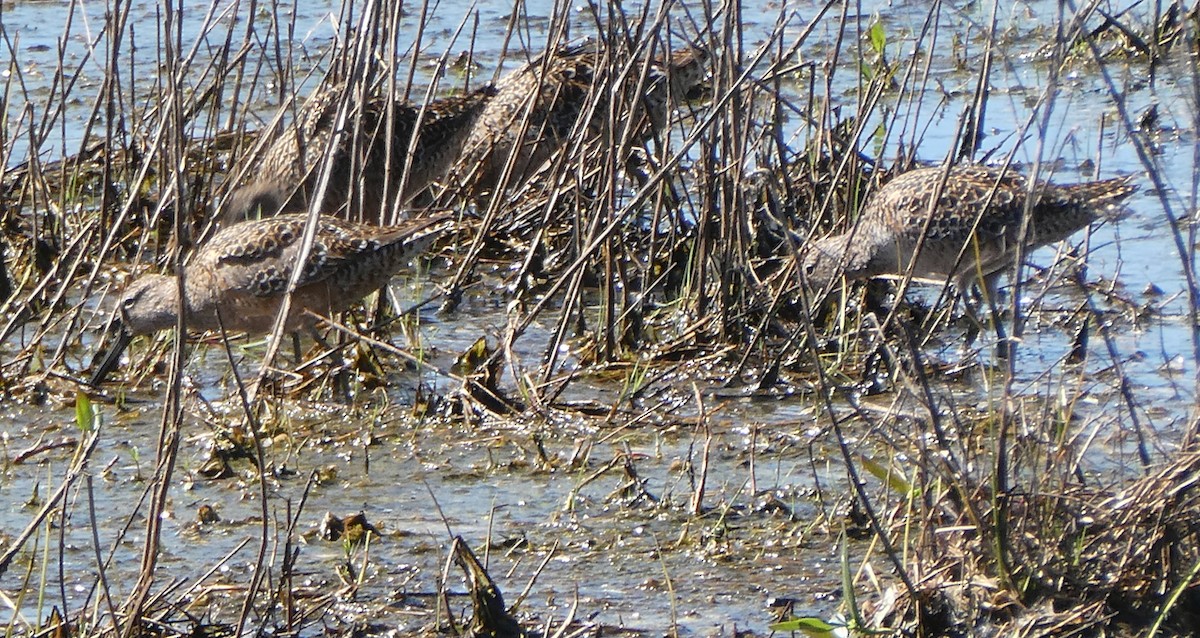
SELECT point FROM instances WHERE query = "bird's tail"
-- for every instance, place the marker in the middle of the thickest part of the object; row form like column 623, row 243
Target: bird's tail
column 416, row 235
column 1105, row 197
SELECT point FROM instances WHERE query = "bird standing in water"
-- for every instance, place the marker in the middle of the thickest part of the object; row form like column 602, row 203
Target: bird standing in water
column 238, row 279
column 365, row 174
column 538, row 106
column 972, row 232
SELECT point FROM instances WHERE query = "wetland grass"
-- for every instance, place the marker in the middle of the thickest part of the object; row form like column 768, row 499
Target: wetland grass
column 645, row 303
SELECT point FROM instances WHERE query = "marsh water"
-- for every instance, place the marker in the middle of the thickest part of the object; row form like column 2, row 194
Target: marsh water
column 627, row 550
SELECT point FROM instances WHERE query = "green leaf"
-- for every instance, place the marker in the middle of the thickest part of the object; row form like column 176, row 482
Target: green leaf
column 809, row 625
column 851, row 603
column 893, row 477
column 877, row 36
column 85, row 414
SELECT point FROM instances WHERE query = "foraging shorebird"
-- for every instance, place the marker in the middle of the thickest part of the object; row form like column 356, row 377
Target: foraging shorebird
column 237, row 281
column 538, row 106
column 368, row 165
column 972, row 232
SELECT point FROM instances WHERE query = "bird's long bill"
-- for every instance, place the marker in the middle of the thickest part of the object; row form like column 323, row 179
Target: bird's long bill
column 109, row 359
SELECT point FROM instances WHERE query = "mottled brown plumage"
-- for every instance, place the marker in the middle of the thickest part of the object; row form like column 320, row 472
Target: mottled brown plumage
column 977, row 216
column 239, row 278
column 367, row 164
column 242, row 273
column 549, row 97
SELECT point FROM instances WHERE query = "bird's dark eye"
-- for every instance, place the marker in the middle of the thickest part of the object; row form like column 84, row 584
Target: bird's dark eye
column 128, row 303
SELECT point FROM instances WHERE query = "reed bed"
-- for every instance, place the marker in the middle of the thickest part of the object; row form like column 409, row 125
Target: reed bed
column 660, row 268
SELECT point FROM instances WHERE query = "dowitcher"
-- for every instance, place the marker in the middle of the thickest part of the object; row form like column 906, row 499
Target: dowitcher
column 368, row 163
column 238, row 279
column 538, row 106
column 971, row 233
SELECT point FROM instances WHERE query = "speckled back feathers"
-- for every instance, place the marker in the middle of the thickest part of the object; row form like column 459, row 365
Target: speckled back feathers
column 973, row 228
column 239, row 277
column 565, row 91
column 367, row 165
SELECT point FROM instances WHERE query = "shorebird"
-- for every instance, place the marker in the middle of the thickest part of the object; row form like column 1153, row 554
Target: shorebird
column 238, row 279
column 971, row 233
column 538, row 106
column 367, row 167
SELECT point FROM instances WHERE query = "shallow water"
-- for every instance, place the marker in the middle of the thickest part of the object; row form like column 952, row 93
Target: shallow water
column 633, row 563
